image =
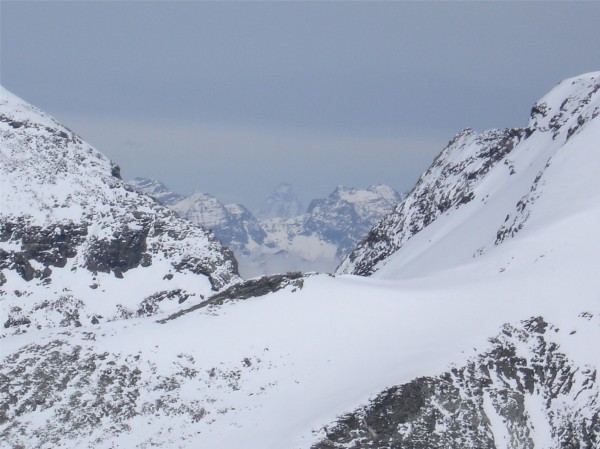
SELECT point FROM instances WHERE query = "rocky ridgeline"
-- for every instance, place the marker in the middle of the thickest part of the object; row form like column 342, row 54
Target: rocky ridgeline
column 456, row 177
column 523, row 384
column 448, row 183
column 68, row 224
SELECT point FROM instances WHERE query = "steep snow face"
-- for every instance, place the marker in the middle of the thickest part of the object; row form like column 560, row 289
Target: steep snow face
column 282, row 203
column 72, row 233
column 457, row 211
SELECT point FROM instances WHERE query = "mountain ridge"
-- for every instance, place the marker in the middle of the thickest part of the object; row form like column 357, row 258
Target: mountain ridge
column 67, row 219
column 464, row 164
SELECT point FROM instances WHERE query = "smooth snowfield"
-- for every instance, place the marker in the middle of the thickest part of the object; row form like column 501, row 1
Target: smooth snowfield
column 304, row 357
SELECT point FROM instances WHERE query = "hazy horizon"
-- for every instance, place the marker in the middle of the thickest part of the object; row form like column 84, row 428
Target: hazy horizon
column 233, row 98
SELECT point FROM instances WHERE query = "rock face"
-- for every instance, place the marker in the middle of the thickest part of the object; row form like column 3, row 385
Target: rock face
column 233, row 224
column 348, row 214
column 282, row 203
column 156, row 190
column 67, row 219
column 516, row 394
column 330, row 227
column 467, row 171
column 449, row 183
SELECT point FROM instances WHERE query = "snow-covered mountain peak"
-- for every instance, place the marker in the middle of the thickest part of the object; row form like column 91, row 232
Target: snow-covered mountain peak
column 379, row 192
column 568, row 106
column 450, row 182
column 313, row 241
column 47, row 168
column 71, row 232
column 201, row 208
column 497, row 176
column 476, row 330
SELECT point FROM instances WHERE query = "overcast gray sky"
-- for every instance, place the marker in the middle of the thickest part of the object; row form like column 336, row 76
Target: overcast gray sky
column 233, row 98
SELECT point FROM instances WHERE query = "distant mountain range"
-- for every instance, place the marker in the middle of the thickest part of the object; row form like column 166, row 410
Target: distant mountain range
column 285, row 239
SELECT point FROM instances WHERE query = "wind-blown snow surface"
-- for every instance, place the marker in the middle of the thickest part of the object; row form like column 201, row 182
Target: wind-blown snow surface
column 486, row 339
column 77, row 245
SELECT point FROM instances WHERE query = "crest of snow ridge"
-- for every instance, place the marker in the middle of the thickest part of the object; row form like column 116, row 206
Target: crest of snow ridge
column 64, row 209
column 451, row 180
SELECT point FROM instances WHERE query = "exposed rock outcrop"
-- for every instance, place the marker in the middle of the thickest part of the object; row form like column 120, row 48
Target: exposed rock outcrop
column 520, row 393
column 66, row 217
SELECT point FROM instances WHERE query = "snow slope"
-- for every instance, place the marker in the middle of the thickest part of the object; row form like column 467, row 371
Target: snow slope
column 486, row 339
column 484, row 188
column 77, row 244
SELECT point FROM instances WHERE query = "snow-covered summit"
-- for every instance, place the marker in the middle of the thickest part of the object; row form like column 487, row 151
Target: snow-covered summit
column 233, row 224
column 71, row 229
column 486, row 187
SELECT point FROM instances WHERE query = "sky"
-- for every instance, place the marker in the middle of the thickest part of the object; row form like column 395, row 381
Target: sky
column 232, row 98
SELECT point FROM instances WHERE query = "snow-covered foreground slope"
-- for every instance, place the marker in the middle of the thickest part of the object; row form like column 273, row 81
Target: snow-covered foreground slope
column 482, row 336
column 77, row 245
column 272, row 371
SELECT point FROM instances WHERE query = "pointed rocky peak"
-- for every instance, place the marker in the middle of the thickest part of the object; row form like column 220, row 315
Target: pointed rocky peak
column 282, row 203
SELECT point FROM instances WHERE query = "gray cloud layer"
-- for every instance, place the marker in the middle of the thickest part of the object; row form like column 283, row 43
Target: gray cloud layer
column 316, row 93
